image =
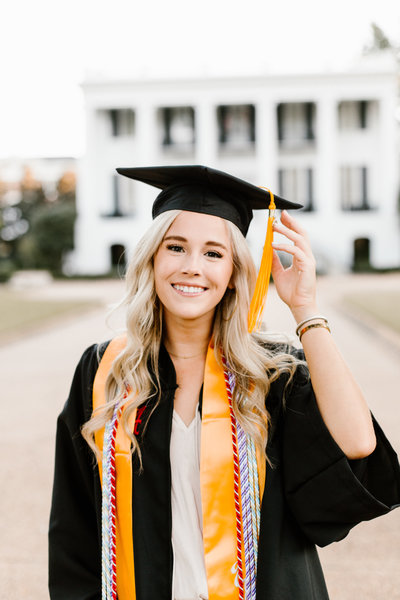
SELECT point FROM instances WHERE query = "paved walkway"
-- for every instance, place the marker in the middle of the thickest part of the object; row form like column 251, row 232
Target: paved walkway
column 35, row 375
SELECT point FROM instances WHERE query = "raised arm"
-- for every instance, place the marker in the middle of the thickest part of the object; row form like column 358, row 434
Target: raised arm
column 340, row 400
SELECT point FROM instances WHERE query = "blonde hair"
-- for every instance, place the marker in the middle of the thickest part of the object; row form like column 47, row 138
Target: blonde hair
column 136, row 368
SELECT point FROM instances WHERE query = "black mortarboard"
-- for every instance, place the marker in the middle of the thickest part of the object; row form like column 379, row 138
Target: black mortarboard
column 205, row 190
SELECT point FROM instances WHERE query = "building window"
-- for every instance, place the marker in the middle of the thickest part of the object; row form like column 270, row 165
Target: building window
column 118, row 258
column 122, row 197
column 297, row 185
column 236, row 127
column 296, row 121
column 177, row 127
column 354, row 188
column 353, row 114
column 122, row 122
column 361, row 255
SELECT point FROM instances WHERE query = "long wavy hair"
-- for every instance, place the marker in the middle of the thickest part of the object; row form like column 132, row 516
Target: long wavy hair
column 254, row 364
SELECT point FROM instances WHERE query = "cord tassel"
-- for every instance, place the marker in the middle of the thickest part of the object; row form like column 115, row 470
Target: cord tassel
column 264, row 274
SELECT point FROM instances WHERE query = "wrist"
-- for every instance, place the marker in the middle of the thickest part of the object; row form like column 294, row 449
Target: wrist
column 300, row 313
column 312, row 325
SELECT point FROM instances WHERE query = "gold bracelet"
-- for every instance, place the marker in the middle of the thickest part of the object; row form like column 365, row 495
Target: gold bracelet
column 314, row 318
column 307, row 327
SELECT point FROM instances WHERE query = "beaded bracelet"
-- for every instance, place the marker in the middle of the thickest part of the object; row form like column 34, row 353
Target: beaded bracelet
column 311, row 326
column 314, row 318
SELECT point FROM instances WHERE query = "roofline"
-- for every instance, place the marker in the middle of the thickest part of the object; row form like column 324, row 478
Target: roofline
column 228, row 79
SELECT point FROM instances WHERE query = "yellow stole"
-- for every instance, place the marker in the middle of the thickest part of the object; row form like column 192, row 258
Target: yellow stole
column 216, row 479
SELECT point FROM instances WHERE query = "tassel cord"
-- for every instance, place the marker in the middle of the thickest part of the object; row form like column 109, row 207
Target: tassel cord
column 109, row 567
column 248, row 476
column 246, row 514
column 255, row 498
column 245, row 494
column 239, row 532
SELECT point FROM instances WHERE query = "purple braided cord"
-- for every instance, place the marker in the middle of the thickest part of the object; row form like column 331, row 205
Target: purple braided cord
column 249, row 550
column 108, row 544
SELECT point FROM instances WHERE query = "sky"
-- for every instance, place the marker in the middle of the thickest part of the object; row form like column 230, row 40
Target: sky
column 48, row 48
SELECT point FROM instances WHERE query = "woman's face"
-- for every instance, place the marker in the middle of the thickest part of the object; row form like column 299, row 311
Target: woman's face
column 193, row 266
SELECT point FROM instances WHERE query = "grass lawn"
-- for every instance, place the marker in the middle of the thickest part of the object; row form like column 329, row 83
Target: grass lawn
column 19, row 314
column 382, row 306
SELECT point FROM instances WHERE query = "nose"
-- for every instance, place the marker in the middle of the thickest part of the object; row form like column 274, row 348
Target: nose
column 192, row 264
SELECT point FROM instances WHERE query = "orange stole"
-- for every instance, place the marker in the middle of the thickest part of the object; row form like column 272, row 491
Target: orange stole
column 217, row 485
column 123, row 464
column 216, row 480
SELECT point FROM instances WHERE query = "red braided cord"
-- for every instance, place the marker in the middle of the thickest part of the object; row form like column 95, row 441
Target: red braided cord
column 239, row 533
column 113, row 513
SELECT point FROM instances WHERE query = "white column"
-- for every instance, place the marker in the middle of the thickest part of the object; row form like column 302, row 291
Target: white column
column 148, row 142
column 146, row 130
column 327, row 184
column 386, row 250
column 88, row 201
column 266, row 170
column 388, row 155
column 267, row 144
column 330, row 237
column 206, row 137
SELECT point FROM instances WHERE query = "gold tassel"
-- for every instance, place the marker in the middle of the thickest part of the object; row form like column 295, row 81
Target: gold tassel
column 264, row 274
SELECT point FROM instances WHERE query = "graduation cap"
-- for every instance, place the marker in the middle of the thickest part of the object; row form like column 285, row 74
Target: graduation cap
column 201, row 189
column 205, row 190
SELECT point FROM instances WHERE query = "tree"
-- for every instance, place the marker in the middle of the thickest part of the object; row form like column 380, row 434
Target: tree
column 380, row 42
column 36, row 231
column 51, row 235
column 15, row 216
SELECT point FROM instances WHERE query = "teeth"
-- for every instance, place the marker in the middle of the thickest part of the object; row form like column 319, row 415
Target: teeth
column 189, row 289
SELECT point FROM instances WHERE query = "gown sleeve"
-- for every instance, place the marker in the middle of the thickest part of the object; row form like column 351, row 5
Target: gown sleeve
column 74, row 538
column 327, row 493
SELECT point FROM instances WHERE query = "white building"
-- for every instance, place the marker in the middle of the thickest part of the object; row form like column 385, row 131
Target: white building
column 327, row 140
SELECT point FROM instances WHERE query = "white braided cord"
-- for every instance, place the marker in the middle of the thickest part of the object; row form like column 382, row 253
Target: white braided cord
column 108, row 550
column 250, row 502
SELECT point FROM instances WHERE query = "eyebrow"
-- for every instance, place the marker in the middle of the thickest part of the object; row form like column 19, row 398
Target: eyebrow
column 183, row 239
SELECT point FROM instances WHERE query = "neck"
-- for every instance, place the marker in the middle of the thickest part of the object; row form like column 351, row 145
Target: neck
column 186, row 340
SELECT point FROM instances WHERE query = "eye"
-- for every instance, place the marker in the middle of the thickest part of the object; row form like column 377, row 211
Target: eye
column 175, row 248
column 214, row 254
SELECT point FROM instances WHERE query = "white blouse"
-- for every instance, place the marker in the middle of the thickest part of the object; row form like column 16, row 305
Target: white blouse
column 189, row 581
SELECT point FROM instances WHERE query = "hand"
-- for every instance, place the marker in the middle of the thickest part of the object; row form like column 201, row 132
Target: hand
column 295, row 285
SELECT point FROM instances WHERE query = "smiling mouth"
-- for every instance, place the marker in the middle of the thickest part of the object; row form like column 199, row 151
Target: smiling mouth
column 188, row 289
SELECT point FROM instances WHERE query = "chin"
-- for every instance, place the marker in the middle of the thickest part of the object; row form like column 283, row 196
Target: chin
column 190, row 315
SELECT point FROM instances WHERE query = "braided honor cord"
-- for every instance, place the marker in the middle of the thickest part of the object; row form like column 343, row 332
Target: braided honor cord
column 245, row 458
column 108, row 552
column 239, row 535
column 255, row 493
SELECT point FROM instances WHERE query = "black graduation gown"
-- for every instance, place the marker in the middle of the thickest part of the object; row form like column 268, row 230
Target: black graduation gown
column 313, row 495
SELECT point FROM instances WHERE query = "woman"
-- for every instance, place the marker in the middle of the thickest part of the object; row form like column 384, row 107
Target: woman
column 222, row 458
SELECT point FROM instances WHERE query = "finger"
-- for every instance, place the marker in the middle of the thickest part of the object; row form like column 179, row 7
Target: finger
column 302, row 257
column 292, row 223
column 294, row 237
column 277, row 266
column 300, row 239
